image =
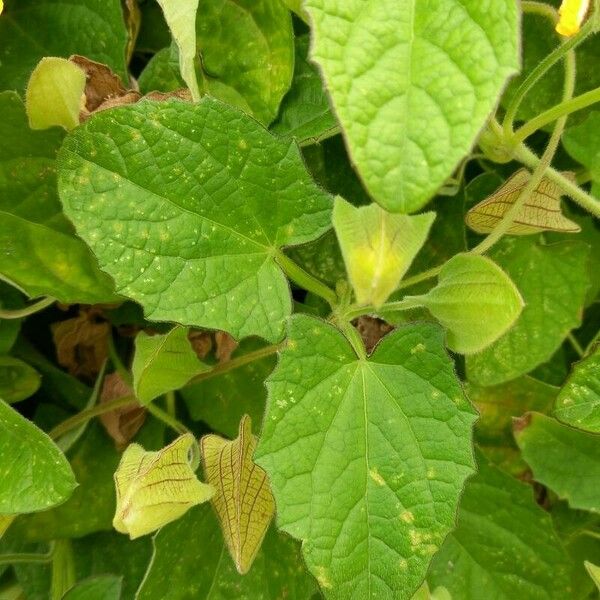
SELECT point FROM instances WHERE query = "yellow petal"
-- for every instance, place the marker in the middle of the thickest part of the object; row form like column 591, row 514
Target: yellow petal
column 155, row 488
column 572, row 13
column 541, row 211
column 243, row 499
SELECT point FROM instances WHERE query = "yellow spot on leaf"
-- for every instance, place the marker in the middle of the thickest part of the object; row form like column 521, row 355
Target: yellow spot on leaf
column 376, row 477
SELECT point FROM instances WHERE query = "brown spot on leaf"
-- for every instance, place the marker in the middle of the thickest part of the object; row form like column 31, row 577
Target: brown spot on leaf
column 520, row 423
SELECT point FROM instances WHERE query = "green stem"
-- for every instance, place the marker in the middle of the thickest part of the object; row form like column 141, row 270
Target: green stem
column 576, row 345
column 590, row 533
column 305, row 280
column 166, row 418
column 25, row 558
column 540, row 170
column 424, row 276
column 585, row 200
column 19, row 313
column 89, row 413
column 354, row 338
column 236, row 363
column 540, row 70
column 359, row 311
column 116, row 361
column 63, row 569
column 171, row 403
column 564, row 108
column 542, row 9
column 592, row 343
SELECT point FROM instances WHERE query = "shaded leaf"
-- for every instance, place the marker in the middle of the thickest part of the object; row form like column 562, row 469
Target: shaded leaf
column 209, row 224
column 182, row 568
column 34, row 474
column 243, row 499
column 54, row 94
column 102, row 587
column 377, row 247
column 409, row 97
column 504, row 546
column 541, row 211
column 17, row 379
column 163, row 363
column 155, row 488
column 566, row 460
column 578, row 403
column 351, row 445
column 553, row 281
column 95, row 28
column 474, row 300
column 582, row 142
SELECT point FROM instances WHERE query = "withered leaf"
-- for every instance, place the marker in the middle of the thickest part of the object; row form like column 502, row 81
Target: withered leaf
column 541, row 211
column 371, row 330
column 243, row 500
column 122, row 423
column 225, row 346
column 201, row 342
column 82, row 343
column 101, row 82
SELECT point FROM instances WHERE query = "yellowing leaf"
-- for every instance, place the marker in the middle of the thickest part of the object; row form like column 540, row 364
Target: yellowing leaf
column 54, row 94
column 155, row 488
column 378, row 247
column 594, row 572
column 541, row 211
column 243, row 498
column 572, row 13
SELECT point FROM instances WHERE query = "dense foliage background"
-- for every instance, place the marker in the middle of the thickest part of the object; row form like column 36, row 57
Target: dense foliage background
column 299, row 299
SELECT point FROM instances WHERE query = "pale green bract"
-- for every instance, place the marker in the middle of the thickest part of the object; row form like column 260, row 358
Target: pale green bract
column 17, row 379
column 353, row 445
column 504, row 546
column 181, row 18
column 474, row 300
column 34, row 473
column 163, row 363
column 378, row 247
column 412, row 83
column 54, row 94
column 578, row 403
column 187, row 207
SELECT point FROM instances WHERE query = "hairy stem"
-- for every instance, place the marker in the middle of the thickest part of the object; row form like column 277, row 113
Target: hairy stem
column 166, row 418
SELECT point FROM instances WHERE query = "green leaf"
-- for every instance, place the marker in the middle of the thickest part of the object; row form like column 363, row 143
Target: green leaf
column 163, row 363
column 578, row 403
column 17, row 380
column 378, row 247
column 102, row 587
column 182, row 568
column 305, row 113
column 474, row 300
column 54, row 94
column 32, row 29
column 222, row 400
column 39, row 253
column 504, row 546
column 159, row 74
column 553, row 280
column 196, row 242
column 566, row 460
column 243, row 500
column 247, row 49
column 35, row 474
column 410, row 96
column 594, row 572
column 583, row 141
column 180, row 16
column 352, row 445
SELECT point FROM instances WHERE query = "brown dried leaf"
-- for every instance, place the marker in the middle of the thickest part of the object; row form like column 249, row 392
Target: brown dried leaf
column 122, row 423
column 82, row 343
column 133, row 21
column 371, row 330
column 182, row 94
column 201, row 342
column 225, row 346
column 541, row 211
column 101, row 82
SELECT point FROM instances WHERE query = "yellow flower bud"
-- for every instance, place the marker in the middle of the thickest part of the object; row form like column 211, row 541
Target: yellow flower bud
column 572, row 13
column 155, row 488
